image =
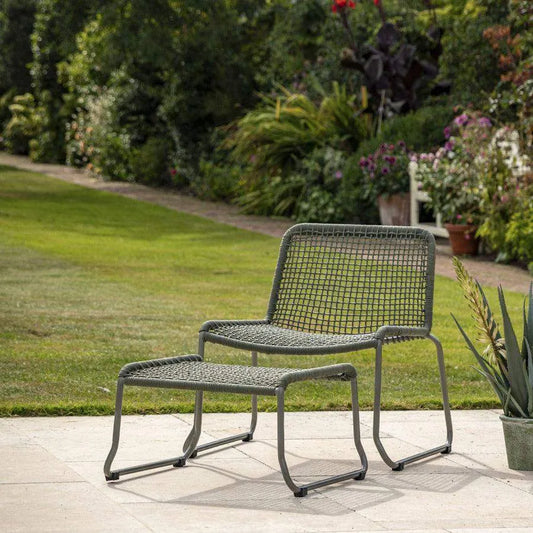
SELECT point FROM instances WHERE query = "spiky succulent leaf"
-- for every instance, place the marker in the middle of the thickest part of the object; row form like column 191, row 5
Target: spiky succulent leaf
column 529, row 360
column 498, row 382
column 528, row 323
column 515, row 361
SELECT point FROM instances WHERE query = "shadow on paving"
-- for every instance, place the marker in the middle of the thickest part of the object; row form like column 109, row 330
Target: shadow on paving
column 270, row 492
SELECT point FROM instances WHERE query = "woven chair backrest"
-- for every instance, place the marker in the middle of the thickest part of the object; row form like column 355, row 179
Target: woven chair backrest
column 350, row 279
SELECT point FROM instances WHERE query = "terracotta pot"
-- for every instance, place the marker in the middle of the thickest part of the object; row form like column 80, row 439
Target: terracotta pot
column 394, row 210
column 463, row 239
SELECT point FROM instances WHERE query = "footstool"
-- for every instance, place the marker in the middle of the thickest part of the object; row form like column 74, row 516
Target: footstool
column 192, row 373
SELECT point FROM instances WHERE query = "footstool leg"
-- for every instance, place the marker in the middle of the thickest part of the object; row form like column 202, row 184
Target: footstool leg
column 245, row 437
column 301, row 490
column 114, row 475
column 110, row 476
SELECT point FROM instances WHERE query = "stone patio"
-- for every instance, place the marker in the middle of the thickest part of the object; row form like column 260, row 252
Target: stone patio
column 52, row 477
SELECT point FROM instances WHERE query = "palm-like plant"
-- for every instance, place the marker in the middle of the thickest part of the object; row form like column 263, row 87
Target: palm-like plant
column 272, row 137
column 507, row 367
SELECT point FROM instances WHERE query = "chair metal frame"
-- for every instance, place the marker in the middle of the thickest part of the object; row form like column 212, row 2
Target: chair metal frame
column 371, row 258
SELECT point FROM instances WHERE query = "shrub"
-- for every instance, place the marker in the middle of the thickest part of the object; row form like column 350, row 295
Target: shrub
column 22, row 126
column 273, row 137
column 216, row 181
column 53, row 39
column 421, row 130
column 16, row 24
column 519, row 234
column 464, row 22
column 150, row 162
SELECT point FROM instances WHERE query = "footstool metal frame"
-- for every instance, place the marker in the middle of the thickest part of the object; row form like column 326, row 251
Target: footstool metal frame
column 192, row 373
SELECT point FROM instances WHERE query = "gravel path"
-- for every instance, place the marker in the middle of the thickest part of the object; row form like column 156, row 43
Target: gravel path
column 488, row 273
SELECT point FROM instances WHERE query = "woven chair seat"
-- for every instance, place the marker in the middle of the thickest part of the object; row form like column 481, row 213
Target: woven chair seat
column 268, row 338
column 190, row 372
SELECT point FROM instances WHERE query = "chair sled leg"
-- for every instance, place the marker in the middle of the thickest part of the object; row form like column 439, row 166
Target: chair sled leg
column 445, row 448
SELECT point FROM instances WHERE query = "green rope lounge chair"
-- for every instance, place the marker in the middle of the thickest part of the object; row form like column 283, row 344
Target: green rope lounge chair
column 337, row 289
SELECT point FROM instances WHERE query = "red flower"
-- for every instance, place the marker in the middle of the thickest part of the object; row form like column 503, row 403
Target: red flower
column 342, row 4
column 376, row 2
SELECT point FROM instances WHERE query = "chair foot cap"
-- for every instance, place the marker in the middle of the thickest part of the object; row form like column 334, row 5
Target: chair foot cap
column 447, row 450
column 248, row 437
column 112, row 477
column 399, row 468
column 193, row 454
column 360, row 476
column 180, row 462
column 301, row 493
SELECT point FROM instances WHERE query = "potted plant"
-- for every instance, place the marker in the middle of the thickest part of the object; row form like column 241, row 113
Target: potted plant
column 452, row 179
column 388, row 180
column 507, row 365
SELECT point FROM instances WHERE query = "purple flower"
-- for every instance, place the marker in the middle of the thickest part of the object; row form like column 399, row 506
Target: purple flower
column 484, row 121
column 449, row 146
column 371, row 167
column 392, row 160
column 338, row 174
column 363, row 162
column 447, row 132
column 461, row 120
column 385, row 170
column 401, row 144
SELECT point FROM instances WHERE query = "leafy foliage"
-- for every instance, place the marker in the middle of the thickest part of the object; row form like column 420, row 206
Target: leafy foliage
column 16, row 25
column 287, row 128
column 22, row 126
column 394, row 70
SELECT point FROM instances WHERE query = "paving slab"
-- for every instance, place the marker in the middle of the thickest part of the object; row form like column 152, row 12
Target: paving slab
column 52, row 480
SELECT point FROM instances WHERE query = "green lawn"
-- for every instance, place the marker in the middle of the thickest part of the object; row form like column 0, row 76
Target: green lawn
column 90, row 281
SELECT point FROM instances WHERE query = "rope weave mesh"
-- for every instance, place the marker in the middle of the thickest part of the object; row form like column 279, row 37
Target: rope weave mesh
column 271, row 335
column 202, row 372
column 225, row 377
column 350, row 280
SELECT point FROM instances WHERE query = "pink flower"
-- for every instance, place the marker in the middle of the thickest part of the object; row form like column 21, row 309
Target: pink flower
column 447, row 132
column 338, row 174
column 173, row 171
column 461, row 120
column 459, row 217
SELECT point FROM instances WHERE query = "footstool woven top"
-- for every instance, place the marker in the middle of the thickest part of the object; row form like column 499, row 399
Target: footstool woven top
column 191, row 372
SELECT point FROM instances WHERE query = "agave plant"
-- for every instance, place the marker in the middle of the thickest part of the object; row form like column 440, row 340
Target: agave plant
column 507, row 367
